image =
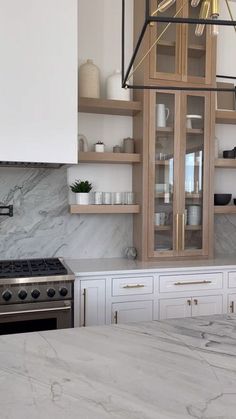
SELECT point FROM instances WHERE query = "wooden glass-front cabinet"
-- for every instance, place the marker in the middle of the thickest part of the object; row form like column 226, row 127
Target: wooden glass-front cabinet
column 180, row 55
column 179, row 174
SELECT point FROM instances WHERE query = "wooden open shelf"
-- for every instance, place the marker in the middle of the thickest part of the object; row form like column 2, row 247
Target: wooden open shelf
column 93, row 157
column 165, row 129
column 225, row 209
column 227, row 163
column 109, row 107
column 104, row 209
column 168, row 48
column 225, row 117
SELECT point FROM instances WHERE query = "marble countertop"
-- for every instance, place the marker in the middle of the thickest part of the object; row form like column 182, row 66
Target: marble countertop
column 116, row 265
column 183, row 368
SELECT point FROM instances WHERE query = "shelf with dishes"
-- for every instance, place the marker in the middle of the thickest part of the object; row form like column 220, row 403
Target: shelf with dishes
column 225, row 209
column 109, row 107
column 225, row 117
column 225, row 163
column 170, row 130
column 188, row 195
column 104, row 209
column 119, row 158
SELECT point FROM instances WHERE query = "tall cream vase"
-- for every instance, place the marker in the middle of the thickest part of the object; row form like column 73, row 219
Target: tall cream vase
column 89, row 80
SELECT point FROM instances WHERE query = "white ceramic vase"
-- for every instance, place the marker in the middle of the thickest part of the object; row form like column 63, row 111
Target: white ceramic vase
column 89, row 80
column 114, row 89
column 82, row 198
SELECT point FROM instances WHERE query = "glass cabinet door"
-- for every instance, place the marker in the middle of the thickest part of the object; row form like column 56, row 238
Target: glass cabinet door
column 165, row 58
column 162, row 231
column 194, row 221
column 199, row 49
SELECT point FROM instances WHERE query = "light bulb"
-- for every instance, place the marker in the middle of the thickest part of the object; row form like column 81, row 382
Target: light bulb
column 214, row 16
column 164, row 5
column 195, row 3
column 204, row 14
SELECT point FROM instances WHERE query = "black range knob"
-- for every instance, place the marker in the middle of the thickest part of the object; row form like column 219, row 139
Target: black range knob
column 22, row 294
column 51, row 292
column 63, row 291
column 35, row 294
column 6, row 295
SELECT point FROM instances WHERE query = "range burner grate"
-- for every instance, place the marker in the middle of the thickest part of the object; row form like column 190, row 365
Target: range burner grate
column 31, row 268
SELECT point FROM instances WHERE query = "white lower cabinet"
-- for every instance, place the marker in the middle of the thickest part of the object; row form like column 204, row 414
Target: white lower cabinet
column 231, row 303
column 190, row 306
column 92, row 302
column 175, row 308
column 133, row 311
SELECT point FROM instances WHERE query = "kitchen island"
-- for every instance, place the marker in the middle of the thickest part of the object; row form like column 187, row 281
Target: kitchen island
column 183, row 368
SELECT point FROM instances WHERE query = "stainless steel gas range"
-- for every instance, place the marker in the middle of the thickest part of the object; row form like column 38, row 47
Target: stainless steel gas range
column 35, row 295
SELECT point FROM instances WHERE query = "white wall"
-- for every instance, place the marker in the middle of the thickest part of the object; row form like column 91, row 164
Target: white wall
column 100, row 40
column 225, row 179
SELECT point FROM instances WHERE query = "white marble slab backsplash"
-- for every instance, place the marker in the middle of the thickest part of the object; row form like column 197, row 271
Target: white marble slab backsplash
column 42, row 225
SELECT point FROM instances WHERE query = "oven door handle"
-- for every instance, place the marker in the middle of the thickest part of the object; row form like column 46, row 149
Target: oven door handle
column 42, row 310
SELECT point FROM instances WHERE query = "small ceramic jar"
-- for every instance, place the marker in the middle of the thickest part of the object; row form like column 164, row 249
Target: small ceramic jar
column 128, row 145
column 117, row 149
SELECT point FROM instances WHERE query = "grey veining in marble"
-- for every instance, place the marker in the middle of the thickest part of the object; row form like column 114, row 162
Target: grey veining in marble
column 225, row 234
column 183, row 368
column 42, row 225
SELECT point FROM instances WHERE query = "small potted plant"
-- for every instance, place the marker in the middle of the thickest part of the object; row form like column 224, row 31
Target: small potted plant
column 81, row 189
column 99, row 147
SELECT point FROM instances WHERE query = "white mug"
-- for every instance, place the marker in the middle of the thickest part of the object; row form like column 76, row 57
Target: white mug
column 162, row 114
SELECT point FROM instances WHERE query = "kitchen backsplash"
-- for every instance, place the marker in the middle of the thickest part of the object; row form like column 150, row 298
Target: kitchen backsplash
column 42, row 225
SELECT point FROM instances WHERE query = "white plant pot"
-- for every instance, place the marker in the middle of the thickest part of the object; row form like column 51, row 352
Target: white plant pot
column 114, row 87
column 82, row 198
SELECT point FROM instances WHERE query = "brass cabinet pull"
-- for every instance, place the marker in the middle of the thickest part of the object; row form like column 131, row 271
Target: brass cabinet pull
column 84, row 294
column 193, row 283
column 195, row 301
column 128, row 286
column 177, row 233
column 189, row 302
column 183, row 232
column 116, row 317
column 232, row 306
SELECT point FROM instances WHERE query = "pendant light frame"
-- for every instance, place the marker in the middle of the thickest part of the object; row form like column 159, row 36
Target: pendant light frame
column 149, row 19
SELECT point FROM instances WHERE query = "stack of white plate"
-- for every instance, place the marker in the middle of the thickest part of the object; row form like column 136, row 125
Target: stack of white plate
column 194, row 215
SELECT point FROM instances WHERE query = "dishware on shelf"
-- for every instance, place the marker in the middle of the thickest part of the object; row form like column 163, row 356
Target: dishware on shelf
column 194, row 215
column 160, row 218
column 117, row 198
column 129, row 198
column 97, row 197
column 128, row 145
column 222, row 198
column 107, row 198
column 114, row 88
column 190, row 119
column 229, row 154
column 162, row 115
column 131, row 253
column 89, row 80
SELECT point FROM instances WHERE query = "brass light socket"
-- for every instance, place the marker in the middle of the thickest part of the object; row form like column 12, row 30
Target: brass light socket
column 215, row 9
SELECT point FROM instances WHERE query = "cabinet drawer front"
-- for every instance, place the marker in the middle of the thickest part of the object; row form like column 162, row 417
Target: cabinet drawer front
column 232, row 279
column 136, row 311
column 132, row 285
column 191, row 282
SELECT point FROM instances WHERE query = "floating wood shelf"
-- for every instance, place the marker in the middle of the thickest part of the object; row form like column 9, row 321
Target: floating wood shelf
column 109, row 107
column 104, row 209
column 225, row 209
column 226, row 163
column 93, row 157
column 225, row 117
